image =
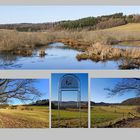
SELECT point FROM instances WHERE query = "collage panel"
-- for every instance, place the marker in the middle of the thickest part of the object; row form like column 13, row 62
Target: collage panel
column 95, row 38
column 24, row 103
column 69, row 100
column 115, row 103
column 54, row 37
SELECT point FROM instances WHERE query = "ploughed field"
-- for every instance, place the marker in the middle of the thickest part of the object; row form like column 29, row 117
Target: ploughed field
column 69, row 118
column 24, row 117
column 115, row 116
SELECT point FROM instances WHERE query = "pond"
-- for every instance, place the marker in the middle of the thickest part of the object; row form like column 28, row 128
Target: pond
column 58, row 56
column 125, row 47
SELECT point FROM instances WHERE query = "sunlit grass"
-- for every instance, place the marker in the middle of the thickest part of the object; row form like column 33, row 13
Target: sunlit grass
column 70, row 118
column 104, row 115
column 38, row 117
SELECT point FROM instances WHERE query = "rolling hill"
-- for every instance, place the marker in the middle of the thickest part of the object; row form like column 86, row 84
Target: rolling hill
column 89, row 23
column 132, row 101
column 127, row 27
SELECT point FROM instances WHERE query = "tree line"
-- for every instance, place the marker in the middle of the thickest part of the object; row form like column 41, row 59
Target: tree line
column 89, row 23
column 101, row 22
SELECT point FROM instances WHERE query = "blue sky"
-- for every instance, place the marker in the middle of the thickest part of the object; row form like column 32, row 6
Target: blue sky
column 69, row 96
column 43, row 87
column 36, row 14
column 98, row 94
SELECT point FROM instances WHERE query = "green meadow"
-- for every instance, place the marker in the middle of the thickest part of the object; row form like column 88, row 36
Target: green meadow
column 104, row 116
column 69, row 118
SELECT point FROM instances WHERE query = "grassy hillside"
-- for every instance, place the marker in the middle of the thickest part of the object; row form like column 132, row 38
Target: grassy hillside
column 103, row 116
column 24, row 117
column 88, row 23
column 132, row 101
column 127, row 27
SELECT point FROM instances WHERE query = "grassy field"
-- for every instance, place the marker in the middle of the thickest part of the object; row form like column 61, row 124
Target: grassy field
column 33, row 117
column 102, row 116
column 69, row 118
column 127, row 27
column 128, row 35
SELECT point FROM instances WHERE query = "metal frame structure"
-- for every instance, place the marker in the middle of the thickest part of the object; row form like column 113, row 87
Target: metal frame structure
column 62, row 89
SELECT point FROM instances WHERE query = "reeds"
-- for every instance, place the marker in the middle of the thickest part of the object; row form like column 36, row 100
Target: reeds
column 96, row 44
column 100, row 52
column 11, row 40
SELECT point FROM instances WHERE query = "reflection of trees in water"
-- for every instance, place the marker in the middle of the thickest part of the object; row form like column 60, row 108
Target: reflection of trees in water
column 129, row 63
column 7, row 59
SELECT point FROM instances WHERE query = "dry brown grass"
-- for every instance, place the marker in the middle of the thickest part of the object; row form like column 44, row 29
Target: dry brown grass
column 12, row 40
column 24, row 117
column 100, row 52
column 103, row 36
column 25, row 42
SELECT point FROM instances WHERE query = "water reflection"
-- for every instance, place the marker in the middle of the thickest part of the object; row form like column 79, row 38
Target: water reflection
column 125, row 47
column 55, row 56
column 7, row 59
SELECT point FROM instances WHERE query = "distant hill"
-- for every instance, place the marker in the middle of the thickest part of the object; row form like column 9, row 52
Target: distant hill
column 132, row 101
column 69, row 104
column 89, row 23
column 101, row 104
column 92, row 103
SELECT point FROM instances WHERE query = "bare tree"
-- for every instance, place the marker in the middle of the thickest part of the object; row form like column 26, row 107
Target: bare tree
column 21, row 89
column 125, row 85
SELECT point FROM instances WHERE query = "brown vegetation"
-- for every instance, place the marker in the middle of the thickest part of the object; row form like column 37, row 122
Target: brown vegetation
column 22, row 42
column 42, row 52
column 100, row 52
column 24, row 117
column 132, row 122
column 14, row 40
column 95, row 44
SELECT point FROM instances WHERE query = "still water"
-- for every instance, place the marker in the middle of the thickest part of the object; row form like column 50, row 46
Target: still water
column 58, row 56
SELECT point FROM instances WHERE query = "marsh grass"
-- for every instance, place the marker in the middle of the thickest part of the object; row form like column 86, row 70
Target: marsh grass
column 14, row 40
column 11, row 40
column 100, row 52
column 96, row 45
